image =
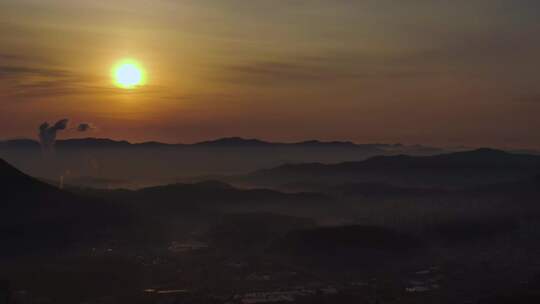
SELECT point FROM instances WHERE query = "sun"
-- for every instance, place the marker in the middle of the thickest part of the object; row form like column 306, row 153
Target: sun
column 128, row 74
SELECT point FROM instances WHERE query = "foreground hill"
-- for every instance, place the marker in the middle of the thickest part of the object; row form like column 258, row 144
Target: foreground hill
column 34, row 214
column 27, row 198
column 460, row 169
column 177, row 199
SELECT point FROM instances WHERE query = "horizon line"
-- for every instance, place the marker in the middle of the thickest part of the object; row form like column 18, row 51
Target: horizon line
column 263, row 141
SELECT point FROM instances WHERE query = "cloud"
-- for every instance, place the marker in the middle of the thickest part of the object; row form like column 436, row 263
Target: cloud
column 268, row 72
column 30, row 79
column 27, row 78
column 10, row 57
column 324, row 68
column 14, row 72
column 22, row 83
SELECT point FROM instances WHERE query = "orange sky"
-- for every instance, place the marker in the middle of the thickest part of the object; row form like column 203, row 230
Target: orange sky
column 431, row 72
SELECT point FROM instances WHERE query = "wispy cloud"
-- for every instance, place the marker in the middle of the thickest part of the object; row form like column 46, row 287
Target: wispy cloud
column 321, row 68
column 26, row 83
column 31, row 79
column 16, row 72
column 275, row 71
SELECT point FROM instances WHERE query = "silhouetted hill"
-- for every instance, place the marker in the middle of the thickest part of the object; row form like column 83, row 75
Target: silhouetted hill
column 481, row 158
column 91, row 143
column 233, row 141
column 362, row 189
column 316, row 143
column 252, row 142
column 17, row 186
column 206, row 195
column 34, row 214
column 220, row 142
column 382, row 190
column 482, row 166
column 163, row 212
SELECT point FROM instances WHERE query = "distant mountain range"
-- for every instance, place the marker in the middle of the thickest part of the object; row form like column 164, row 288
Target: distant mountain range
column 154, row 162
column 34, row 214
column 459, row 169
column 221, row 142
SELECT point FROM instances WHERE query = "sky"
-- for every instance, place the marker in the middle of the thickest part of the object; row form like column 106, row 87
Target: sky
column 444, row 73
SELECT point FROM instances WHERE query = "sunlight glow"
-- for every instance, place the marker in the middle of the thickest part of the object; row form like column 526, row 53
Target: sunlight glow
column 128, row 74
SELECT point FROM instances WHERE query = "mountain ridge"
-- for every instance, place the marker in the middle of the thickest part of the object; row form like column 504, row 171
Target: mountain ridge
column 481, row 155
column 224, row 142
column 482, row 165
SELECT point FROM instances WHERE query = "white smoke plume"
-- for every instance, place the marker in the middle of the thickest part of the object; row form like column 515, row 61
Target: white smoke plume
column 47, row 134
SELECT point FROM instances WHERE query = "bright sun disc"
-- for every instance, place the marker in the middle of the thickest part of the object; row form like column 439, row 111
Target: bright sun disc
column 128, row 74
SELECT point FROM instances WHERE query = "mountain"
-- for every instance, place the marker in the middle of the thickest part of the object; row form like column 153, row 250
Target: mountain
column 150, row 163
column 168, row 212
column 362, row 189
column 233, row 142
column 220, row 142
column 481, row 158
column 240, row 142
column 34, row 214
column 318, row 143
column 482, row 166
column 382, row 190
column 22, row 189
column 208, row 195
column 91, row 143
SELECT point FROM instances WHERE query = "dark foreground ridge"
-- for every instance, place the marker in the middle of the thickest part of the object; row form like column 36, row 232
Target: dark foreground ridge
column 35, row 215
